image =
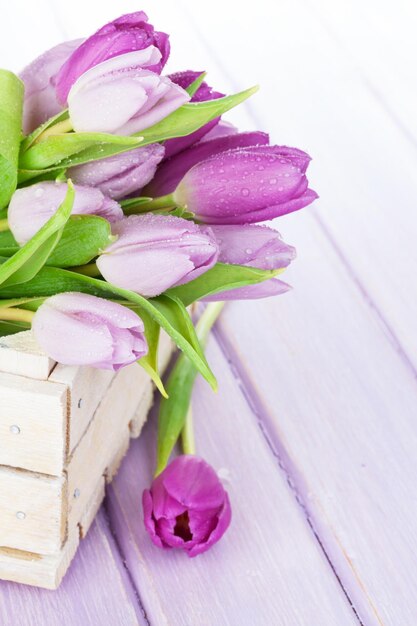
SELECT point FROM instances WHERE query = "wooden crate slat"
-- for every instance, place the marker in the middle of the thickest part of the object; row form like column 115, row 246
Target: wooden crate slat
column 20, row 354
column 31, row 512
column 33, row 424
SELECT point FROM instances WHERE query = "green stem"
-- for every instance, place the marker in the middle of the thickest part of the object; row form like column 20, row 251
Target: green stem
column 155, row 204
column 57, row 129
column 187, row 434
column 16, row 315
column 4, row 225
column 90, row 269
column 203, row 327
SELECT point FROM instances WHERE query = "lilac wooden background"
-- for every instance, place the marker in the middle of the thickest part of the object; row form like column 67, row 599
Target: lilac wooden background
column 315, row 425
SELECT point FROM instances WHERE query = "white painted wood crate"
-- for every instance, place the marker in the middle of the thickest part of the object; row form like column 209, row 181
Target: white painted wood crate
column 63, row 433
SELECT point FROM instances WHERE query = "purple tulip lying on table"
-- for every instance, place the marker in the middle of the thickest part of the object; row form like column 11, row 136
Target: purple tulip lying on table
column 128, row 199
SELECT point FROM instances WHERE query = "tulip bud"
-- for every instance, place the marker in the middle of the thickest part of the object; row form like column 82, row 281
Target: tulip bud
column 79, row 329
column 171, row 171
column 125, row 34
column 203, row 93
column 118, row 96
column 246, row 185
column 155, row 252
column 39, row 78
column 254, row 246
column 31, row 207
column 186, row 507
column 122, row 174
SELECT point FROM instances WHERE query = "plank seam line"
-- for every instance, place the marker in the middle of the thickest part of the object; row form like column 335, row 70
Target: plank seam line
column 252, row 399
column 123, row 560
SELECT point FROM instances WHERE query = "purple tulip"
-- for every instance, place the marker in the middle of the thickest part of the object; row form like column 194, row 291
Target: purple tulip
column 186, row 506
column 254, row 246
column 266, row 289
column 222, row 129
column 39, row 79
column 119, row 96
column 155, row 252
column 79, row 329
column 125, row 34
column 203, row 93
column 172, row 171
column 120, row 175
column 247, row 185
column 31, row 207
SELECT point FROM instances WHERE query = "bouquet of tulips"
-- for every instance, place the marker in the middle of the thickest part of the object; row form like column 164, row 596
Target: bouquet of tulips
column 126, row 199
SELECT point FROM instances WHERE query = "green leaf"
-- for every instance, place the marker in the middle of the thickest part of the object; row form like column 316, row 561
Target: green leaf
column 221, row 277
column 11, row 328
column 192, row 116
column 54, row 149
column 30, row 139
column 83, row 237
column 11, row 106
column 193, row 88
column 173, row 411
column 150, row 361
column 52, row 280
column 29, row 259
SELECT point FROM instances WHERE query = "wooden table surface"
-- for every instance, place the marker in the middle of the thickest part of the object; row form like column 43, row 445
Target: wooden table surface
column 315, row 425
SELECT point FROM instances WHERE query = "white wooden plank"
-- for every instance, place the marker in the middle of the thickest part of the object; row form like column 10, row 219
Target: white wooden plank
column 20, row 354
column 31, row 512
column 267, row 569
column 340, row 409
column 95, row 592
column 33, row 424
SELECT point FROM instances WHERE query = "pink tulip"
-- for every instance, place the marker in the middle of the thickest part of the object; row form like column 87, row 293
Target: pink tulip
column 125, row 34
column 31, row 207
column 79, row 329
column 186, row 507
column 155, row 252
column 39, row 79
column 119, row 96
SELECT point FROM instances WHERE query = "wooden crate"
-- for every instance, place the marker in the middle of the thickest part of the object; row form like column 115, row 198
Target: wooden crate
column 63, row 433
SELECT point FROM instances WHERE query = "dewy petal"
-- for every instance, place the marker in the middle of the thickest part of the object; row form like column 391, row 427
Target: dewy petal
column 164, row 506
column 79, row 329
column 253, row 245
column 193, row 482
column 119, row 97
column 128, row 33
column 266, row 289
column 223, row 523
column 122, row 174
column 40, row 101
column 170, row 173
column 31, row 207
column 234, row 184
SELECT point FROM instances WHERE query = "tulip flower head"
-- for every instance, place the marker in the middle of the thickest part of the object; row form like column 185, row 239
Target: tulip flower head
column 121, row 96
column 120, row 175
column 31, row 207
column 79, row 329
column 39, row 78
column 155, row 252
column 186, row 506
column 247, row 185
column 127, row 33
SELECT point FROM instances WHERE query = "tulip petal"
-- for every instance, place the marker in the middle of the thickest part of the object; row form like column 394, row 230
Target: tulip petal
column 171, row 171
column 223, row 523
column 194, row 483
column 149, row 520
column 266, row 289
